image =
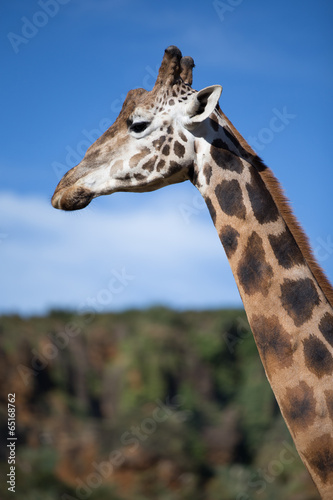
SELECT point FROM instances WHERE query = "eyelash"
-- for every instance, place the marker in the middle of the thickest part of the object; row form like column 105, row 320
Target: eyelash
column 138, row 127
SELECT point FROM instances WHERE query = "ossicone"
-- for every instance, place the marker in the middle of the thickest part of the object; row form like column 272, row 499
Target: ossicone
column 186, row 69
column 169, row 71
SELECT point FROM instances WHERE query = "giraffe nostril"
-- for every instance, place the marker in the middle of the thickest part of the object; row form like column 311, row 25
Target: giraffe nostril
column 74, row 198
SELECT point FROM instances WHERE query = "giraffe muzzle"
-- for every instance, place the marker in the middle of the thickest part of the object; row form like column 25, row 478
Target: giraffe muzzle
column 73, row 198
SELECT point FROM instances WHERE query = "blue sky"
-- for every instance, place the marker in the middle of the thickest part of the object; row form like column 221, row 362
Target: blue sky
column 67, row 66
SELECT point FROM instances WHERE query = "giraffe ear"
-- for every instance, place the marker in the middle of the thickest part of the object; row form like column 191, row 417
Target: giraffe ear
column 201, row 105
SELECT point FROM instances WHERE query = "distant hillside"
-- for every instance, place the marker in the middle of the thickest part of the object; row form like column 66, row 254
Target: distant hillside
column 143, row 405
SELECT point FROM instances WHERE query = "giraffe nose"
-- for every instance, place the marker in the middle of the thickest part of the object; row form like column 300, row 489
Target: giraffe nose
column 73, row 198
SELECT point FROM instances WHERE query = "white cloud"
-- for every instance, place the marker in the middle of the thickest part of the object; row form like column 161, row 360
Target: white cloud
column 73, row 260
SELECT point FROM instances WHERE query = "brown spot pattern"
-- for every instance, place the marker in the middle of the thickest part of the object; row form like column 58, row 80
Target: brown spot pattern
column 149, row 165
column 174, row 168
column 229, row 238
column 160, row 165
column 207, row 171
column 262, row 203
column 274, row 343
column 326, row 327
column 166, row 150
column 139, row 177
column 211, row 208
column 179, row 149
column 286, row 249
column 139, row 156
column 329, row 402
column 298, row 298
column 218, row 144
column 230, row 197
column 193, row 175
column 158, row 143
column 232, row 138
column 320, row 457
column 224, row 158
column 182, row 136
column 118, row 165
column 254, row 273
column 318, row 359
column 214, row 124
column 299, row 406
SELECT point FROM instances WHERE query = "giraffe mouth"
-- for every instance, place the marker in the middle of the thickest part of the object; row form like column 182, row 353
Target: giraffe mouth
column 74, row 198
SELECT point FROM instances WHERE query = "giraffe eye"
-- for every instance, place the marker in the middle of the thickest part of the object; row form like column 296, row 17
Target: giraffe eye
column 138, row 127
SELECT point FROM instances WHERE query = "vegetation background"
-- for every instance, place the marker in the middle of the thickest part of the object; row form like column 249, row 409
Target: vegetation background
column 143, row 405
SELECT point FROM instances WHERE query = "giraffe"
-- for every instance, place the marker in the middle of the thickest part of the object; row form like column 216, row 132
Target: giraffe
column 174, row 133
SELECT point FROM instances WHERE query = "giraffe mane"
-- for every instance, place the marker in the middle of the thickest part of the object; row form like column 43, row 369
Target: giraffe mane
column 283, row 205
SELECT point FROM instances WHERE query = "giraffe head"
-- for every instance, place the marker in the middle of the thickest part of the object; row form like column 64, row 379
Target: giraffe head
column 151, row 143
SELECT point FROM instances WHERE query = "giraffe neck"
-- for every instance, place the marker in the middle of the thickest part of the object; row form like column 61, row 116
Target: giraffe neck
column 288, row 312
